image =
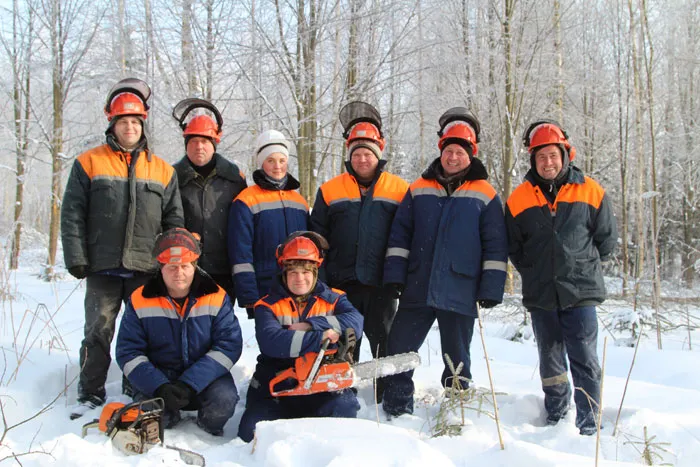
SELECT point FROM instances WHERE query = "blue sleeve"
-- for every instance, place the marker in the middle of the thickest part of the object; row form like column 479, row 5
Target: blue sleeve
column 344, row 316
column 319, row 223
column 240, row 250
column 131, row 354
column 226, row 348
column 399, row 245
column 494, row 252
column 277, row 341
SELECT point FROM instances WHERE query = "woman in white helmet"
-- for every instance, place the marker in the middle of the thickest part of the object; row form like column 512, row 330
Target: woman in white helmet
column 262, row 216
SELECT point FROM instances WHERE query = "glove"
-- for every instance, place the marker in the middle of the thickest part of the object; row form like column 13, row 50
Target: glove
column 393, row 291
column 79, row 272
column 486, row 303
column 175, row 395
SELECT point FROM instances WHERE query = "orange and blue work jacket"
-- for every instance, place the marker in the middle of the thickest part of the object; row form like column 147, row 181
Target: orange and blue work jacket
column 448, row 250
column 557, row 248
column 160, row 341
column 260, row 219
column 325, row 309
column 114, row 206
column 356, row 225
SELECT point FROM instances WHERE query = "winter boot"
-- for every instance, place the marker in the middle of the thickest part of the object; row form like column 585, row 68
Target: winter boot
column 84, row 405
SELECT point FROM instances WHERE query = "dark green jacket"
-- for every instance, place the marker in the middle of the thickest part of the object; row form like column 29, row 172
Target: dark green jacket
column 558, row 248
column 112, row 211
column 206, row 202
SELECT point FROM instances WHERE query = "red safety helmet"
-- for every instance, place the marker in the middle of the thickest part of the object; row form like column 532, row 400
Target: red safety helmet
column 203, row 125
column 365, row 131
column 302, row 245
column 126, row 103
column 177, row 246
column 546, row 132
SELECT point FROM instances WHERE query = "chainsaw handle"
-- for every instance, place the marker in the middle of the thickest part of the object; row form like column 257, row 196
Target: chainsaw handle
column 317, row 364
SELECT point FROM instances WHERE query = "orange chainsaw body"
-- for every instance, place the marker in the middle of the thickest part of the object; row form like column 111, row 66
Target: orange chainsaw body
column 332, row 375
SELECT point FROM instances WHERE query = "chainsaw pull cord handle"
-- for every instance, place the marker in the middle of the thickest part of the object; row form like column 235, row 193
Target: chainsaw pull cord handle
column 317, row 364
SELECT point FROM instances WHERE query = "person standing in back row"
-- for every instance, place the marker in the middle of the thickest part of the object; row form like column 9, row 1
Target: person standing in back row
column 447, row 251
column 118, row 198
column 261, row 217
column 208, row 182
column 354, row 212
column 560, row 227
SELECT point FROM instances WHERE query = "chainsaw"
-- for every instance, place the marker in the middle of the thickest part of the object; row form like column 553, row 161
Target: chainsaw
column 136, row 427
column 327, row 371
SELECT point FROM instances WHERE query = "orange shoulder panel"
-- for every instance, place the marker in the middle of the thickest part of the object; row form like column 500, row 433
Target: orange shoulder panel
column 589, row 192
column 339, row 187
column 321, row 308
column 254, row 195
column 390, row 186
column 155, row 170
column 102, row 161
column 482, row 186
column 214, row 299
column 282, row 308
column 139, row 301
column 523, row 198
column 424, row 183
column 296, row 196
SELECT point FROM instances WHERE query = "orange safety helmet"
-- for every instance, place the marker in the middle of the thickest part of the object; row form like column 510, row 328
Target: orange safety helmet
column 366, row 131
column 203, row 125
column 459, row 130
column 302, row 245
column 177, row 246
column 126, row 103
column 546, row 132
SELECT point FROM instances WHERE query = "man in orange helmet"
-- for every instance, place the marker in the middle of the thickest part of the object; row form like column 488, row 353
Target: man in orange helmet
column 118, row 198
column 354, row 212
column 560, row 227
column 448, row 250
column 298, row 314
column 208, row 182
column 179, row 337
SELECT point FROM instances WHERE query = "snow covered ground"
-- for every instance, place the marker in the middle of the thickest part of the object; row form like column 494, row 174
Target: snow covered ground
column 41, row 330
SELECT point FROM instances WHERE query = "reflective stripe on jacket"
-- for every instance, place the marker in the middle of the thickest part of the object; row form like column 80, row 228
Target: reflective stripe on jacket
column 357, row 228
column 111, row 212
column 201, row 345
column 557, row 249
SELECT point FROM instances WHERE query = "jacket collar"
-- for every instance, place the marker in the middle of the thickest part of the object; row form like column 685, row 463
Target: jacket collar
column 260, row 180
column 202, row 285
column 476, row 171
column 223, row 169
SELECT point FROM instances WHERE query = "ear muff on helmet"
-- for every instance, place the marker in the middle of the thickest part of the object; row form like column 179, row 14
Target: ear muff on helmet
column 545, row 132
column 302, row 245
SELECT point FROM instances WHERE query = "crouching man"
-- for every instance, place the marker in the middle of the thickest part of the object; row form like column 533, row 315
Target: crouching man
column 179, row 337
column 298, row 314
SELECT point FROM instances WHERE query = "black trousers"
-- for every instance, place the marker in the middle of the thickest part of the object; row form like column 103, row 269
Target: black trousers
column 103, row 299
column 379, row 310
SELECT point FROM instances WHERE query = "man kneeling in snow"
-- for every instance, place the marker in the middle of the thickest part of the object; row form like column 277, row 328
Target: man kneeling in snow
column 298, row 314
column 179, row 337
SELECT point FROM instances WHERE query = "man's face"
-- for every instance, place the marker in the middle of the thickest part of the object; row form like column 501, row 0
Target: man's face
column 128, row 131
column 454, row 159
column 548, row 162
column 364, row 163
column 299, row 280
column 275, row 165
column 200, row 150
column 178, row 278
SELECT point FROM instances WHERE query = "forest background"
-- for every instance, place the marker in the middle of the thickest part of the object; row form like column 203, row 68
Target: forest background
column 620, row 76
